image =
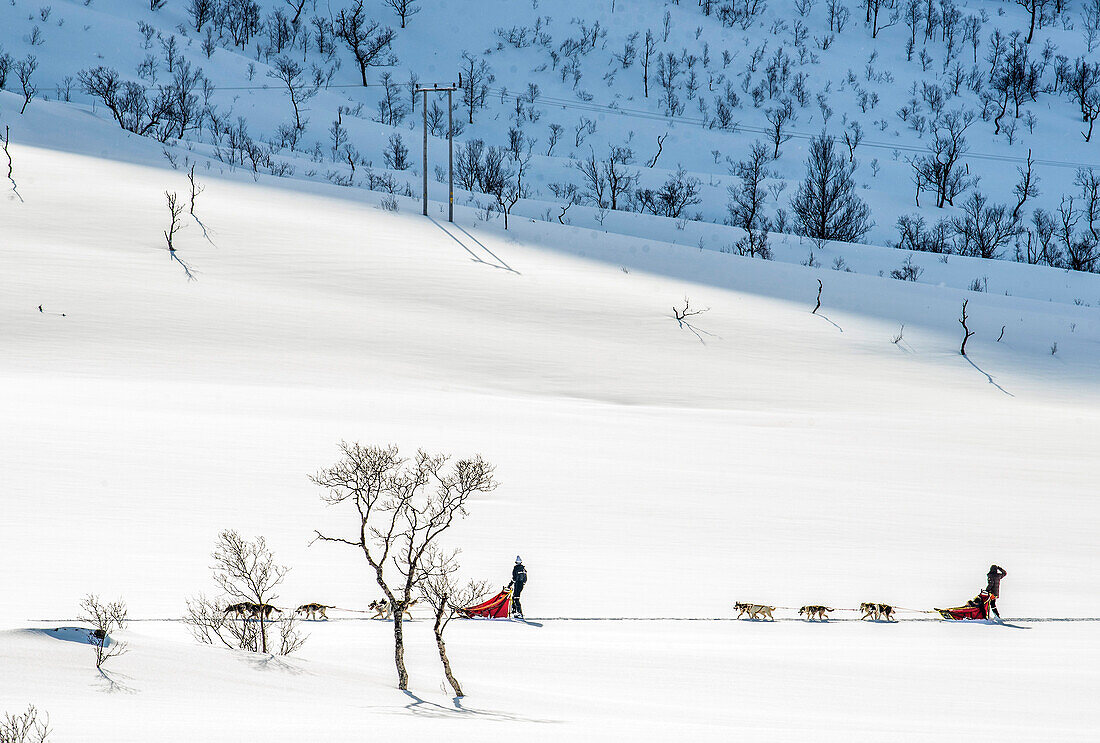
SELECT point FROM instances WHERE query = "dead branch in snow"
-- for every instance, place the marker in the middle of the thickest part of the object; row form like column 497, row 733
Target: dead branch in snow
column 686, row 312
column 175, row 209
column 14, row 185
column 966, row 331
column 660, row 148
column 196, row 189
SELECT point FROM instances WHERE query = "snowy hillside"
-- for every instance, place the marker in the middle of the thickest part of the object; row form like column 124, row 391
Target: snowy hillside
column 931, row 103
column 652, row 471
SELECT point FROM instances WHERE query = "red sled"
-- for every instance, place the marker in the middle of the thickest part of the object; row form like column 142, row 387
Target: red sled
column 498, row 607
column 976, row 608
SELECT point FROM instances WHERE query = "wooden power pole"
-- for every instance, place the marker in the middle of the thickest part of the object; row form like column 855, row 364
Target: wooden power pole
column 449, row 90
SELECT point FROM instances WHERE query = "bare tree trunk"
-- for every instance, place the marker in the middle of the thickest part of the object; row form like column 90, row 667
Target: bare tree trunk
column 446, row 662
column 399, row 647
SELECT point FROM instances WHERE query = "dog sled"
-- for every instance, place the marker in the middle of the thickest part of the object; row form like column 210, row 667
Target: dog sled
column 498, row 607
column 976, row 608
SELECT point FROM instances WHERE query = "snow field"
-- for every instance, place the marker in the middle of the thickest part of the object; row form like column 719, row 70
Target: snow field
column 775, row 457
column 586, row 680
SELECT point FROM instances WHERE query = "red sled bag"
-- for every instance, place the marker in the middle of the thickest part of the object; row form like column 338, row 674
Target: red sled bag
column 976, row 608
column 498, row 607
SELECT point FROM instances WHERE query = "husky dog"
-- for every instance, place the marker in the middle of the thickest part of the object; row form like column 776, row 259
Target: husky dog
column 885, row 611
column 266, row 609
column 243, row 610
column 312, row 611
column 383, row 608
column 815, row 612
column 870, row 611
column 754, row 611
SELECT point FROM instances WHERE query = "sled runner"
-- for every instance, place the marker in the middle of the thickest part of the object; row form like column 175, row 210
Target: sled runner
column 976, row 608
column 498, row 607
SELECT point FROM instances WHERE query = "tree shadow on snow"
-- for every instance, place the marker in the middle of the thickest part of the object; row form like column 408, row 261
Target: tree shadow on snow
column 496, row 261
column 988, row 377
column 112, row 683
column 696, row 331
column 271, row 662
column 823, row 317
column 424, row 708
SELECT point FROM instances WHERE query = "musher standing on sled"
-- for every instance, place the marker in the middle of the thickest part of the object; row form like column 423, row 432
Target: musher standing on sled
column 993, row 586
column 519, row 578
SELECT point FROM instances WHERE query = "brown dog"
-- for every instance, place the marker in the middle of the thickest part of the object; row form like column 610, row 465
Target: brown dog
column 754, row 611
column 312, row 611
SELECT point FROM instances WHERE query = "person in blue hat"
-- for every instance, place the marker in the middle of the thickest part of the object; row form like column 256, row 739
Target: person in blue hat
column 519, row 579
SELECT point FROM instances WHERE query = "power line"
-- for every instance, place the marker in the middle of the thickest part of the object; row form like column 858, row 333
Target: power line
column 549, row 102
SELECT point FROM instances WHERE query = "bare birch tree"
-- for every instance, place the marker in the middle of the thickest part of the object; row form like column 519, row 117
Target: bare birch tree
column 441, row 590
column 401, row 507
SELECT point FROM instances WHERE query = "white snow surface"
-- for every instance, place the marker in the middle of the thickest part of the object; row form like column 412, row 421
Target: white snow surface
column 764, row 454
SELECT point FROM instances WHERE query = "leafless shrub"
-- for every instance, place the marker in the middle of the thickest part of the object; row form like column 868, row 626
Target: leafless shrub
column 901, row 334
column 908, row 271
column 105, row 618
column 248, row 575
column 26, row 727
column 24, row 69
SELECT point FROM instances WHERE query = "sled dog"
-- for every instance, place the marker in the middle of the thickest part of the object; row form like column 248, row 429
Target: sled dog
column 870, row 611
column 754, row 611
column 312, row 611
column 243, row 610
column 384, row 610
column 266, row 609
column 815, row 612
column 885, row 611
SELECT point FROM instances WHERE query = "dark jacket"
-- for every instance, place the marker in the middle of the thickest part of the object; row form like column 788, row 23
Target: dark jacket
column 519, row 575
column 996, row 572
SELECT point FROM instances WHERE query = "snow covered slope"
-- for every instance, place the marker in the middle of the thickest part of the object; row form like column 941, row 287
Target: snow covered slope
column 763, row 454
column 568, row 77
column 580, row 680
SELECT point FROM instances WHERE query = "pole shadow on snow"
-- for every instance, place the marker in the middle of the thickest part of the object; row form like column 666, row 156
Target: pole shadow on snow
column 497, row 262
column 988, row 376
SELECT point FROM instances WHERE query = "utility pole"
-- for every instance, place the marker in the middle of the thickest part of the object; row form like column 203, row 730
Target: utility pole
column 449, row 90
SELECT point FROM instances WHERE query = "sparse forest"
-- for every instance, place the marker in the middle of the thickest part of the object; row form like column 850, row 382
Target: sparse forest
column 664, row 109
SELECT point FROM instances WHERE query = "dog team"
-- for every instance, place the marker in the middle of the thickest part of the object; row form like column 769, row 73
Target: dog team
column 383, row 609
column 814, row 612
